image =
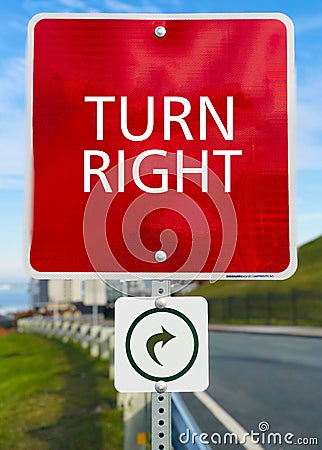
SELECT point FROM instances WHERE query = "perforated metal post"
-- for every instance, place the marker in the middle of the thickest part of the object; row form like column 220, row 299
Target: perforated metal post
column 161, row 400
column 161, row 421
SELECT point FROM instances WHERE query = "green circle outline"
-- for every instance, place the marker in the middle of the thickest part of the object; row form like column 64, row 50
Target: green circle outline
column 195, row 341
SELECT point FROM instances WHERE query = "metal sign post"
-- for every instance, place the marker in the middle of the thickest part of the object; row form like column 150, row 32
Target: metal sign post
column 161, row 346
column 161, row 400
column 161, row 421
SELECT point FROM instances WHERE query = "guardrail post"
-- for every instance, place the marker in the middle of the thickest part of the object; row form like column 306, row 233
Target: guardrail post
column 111, row 342
column 73, row 334
column 64, row 330
column 84, row 335
column 55, row 327
column 106, row 332
column 95, row 336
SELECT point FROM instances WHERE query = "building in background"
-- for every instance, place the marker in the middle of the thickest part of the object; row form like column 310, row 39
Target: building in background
column 47, row 293
column 137, row 288
column 95, row 293
column 38, row 293
column 71, row 295
column 64, row 291
column 63, row 294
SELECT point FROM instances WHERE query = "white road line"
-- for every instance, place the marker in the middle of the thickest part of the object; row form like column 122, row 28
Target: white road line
column 227, row 420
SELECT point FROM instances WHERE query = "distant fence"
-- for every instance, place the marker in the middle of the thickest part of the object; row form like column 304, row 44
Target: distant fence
column 295, row 308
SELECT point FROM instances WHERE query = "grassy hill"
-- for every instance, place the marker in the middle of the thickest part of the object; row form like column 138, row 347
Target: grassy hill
column 54, row 396
column 298, row 299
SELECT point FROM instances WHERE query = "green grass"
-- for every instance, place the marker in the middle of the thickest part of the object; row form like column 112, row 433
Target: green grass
column 53, row 396
column 296, row 300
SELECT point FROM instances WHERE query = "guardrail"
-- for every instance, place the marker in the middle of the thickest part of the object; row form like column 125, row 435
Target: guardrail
column 182, row 421
column 99, row 340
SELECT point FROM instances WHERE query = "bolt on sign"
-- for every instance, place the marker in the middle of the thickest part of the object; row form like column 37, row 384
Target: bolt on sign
column 161, row 146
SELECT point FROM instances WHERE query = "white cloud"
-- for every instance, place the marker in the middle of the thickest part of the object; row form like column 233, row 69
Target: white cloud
column 308, row 123
column 12, row 80
column 124, row 7
column 12, row 116
column 36, row 4
column 11, row 182
column 13, row 146
column 74, row 4
column 309, row 89
column 19, row 24
column 305, row 24
column 308, row 226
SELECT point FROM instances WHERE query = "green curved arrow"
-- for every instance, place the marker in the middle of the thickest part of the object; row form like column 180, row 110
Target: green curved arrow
column 165, row 337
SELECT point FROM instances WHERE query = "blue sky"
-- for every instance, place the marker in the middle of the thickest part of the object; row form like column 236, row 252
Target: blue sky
column 13, row 30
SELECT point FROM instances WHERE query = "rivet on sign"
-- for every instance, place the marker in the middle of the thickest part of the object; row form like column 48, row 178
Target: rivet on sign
column 161, row 386
column 160, row 302
column 160, row 256
column 160, row 31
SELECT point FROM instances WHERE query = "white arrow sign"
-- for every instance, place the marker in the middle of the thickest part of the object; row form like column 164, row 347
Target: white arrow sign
column 167, row 344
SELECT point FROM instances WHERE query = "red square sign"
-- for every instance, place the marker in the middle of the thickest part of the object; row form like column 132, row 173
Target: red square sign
column 161, row 145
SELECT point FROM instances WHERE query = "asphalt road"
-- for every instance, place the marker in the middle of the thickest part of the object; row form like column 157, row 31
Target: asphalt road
column 260, row 378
